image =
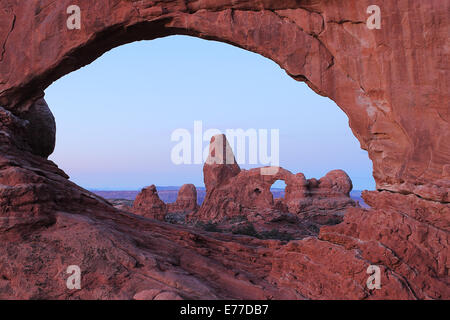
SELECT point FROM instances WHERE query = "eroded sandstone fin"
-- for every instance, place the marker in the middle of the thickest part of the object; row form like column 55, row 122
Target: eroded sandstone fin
column 221, row 164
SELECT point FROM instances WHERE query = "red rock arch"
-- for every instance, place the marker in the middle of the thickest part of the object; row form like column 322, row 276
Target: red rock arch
column 326, row 45
column 390, row 82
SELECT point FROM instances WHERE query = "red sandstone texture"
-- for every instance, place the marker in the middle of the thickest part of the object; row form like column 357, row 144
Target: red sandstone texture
column 149, row 205
column 186, row 200
column 392, row 83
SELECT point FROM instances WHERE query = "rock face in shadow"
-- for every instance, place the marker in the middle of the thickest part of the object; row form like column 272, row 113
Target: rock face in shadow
column 149, row 205
column 33, row 131
column 392, row 83
column 41, row 132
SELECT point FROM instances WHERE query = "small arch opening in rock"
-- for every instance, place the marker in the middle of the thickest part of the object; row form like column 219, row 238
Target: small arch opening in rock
column 278, row 189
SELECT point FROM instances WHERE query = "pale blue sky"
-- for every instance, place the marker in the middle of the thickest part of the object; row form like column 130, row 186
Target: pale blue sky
column 115, row 116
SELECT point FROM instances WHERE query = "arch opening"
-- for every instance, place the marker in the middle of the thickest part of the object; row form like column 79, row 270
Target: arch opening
column 110, row 106
column 278, row 190
column 140, row 127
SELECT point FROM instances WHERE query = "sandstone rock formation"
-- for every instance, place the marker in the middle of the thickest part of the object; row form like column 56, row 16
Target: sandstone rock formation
column 186, row 200
column 220, row 165
column 392, row 83
column 232, row 192
column 149, row 205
